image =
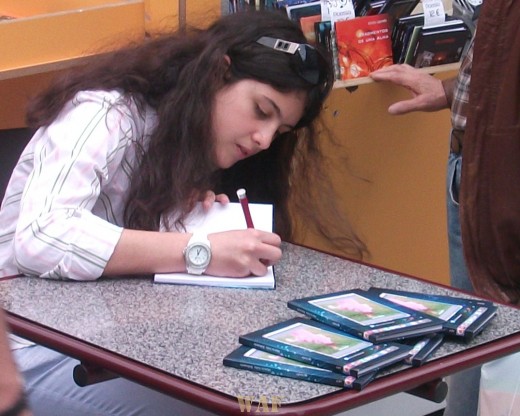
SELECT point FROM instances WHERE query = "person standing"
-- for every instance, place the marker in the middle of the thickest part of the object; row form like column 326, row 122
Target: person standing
column 483, row 195
column 490, row 186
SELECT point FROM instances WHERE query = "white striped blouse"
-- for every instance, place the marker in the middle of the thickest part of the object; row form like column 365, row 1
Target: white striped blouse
column 62, row 213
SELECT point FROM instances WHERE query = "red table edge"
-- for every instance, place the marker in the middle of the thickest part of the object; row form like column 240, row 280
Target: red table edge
column 217, row 402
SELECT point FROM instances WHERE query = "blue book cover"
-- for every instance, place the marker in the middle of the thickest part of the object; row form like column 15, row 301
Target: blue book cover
column 264, row 362
column 322, row 346
column 366, row 315
column 463, row 318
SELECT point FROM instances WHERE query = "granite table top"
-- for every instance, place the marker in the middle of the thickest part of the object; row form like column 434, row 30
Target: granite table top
column 187, row 330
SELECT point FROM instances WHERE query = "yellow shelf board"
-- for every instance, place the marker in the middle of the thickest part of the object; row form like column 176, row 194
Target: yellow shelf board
column 68, row 34
column 367, row 80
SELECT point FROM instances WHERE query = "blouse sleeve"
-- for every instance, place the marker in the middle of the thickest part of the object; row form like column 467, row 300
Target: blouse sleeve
column 57, row 235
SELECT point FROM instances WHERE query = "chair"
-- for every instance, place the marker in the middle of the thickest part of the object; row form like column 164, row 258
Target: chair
column 12, row 143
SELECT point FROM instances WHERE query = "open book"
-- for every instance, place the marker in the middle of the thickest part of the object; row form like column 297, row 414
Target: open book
column 223, row 218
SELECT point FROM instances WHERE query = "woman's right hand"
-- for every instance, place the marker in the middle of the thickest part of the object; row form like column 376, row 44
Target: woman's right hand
column 243, row 253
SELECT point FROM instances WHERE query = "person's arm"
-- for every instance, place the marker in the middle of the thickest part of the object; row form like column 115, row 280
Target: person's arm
column 71, row 162
column 449, row 89
column 234, row 253
column 428, row 93
column 12, row 394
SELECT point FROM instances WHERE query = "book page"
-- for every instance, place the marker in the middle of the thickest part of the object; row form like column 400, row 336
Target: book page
column 224, row 218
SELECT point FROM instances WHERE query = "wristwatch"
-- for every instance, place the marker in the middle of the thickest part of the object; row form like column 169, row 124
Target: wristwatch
column 197, row 254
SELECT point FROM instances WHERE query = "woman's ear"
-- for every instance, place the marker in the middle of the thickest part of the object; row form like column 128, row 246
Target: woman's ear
column 227, row 65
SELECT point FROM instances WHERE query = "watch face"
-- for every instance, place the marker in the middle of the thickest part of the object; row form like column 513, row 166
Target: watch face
column 198, row 256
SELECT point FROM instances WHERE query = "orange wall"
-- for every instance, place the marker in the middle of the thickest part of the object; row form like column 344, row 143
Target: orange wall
column 40, row 46
column 389, row 178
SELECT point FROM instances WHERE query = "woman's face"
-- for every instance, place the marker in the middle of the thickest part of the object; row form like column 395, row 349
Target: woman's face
column 247, row 117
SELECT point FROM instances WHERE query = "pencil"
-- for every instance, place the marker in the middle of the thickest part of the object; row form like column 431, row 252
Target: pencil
column 242, row 197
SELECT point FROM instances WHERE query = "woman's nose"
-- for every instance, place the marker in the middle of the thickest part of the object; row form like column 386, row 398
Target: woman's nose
column 264, row 137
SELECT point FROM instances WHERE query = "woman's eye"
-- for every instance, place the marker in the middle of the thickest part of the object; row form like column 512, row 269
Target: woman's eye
column 261, row 113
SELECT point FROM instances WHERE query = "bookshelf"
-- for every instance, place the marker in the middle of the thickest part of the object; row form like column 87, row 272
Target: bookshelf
column 232, row 6
column 439, row 69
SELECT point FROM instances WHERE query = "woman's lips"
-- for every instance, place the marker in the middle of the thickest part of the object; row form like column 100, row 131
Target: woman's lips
column 244, row 152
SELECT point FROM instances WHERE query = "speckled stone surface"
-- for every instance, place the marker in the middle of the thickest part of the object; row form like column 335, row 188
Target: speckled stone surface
column 187, row 330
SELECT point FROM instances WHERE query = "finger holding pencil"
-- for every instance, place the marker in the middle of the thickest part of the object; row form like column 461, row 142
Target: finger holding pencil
column 242, row 197
column 244, row 202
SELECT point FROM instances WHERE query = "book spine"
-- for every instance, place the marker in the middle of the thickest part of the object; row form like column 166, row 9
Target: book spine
column 333, row 379
column 335, row 58
column 418, row 358
column 359, row 383
column 402, row 331
column 374, row 362
column 294, row 355
column 326, row 321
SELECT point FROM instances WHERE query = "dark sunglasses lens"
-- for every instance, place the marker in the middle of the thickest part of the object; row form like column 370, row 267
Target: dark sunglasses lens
column 308, row 64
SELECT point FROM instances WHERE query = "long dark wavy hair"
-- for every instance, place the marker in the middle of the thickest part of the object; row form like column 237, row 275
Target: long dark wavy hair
column 178, row 74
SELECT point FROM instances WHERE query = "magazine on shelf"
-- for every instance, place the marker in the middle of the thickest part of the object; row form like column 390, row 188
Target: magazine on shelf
column 461, row 317
column 366, row 315
column 322, row 346
column 264, row 362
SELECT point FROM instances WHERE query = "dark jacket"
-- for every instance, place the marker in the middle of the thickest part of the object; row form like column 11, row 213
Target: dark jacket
column 490, row 188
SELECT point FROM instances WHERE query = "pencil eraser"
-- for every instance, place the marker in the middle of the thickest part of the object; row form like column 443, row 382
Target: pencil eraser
column 241, row 193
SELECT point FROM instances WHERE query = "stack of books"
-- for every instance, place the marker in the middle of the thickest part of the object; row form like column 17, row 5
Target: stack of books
column 352, row 335
column 425, row 46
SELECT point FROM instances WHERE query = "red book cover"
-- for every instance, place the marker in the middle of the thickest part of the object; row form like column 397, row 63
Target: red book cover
column 364, row 45
column 307, row 25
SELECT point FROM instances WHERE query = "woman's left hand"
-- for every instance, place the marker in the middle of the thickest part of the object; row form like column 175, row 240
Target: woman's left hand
column 211, row 198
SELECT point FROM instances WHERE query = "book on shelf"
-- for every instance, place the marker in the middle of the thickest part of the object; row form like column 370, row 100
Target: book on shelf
column 236, row 6
column 322, row 346
column 327, row 39
column 369, row 7
column 297, row 11
column 439, row 44
column 224, row 218
column 283, row 3
column 418, row 45
column 398, row 8
column 364, row 45
column 423, row 348
column 462, row 317
column 307, row 23
column 251, row 359
column 324, row 35
column 367, row 315
column 394, row 8
column 404, row 36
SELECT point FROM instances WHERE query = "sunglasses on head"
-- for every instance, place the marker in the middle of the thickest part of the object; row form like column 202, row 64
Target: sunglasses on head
column 306, row 57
